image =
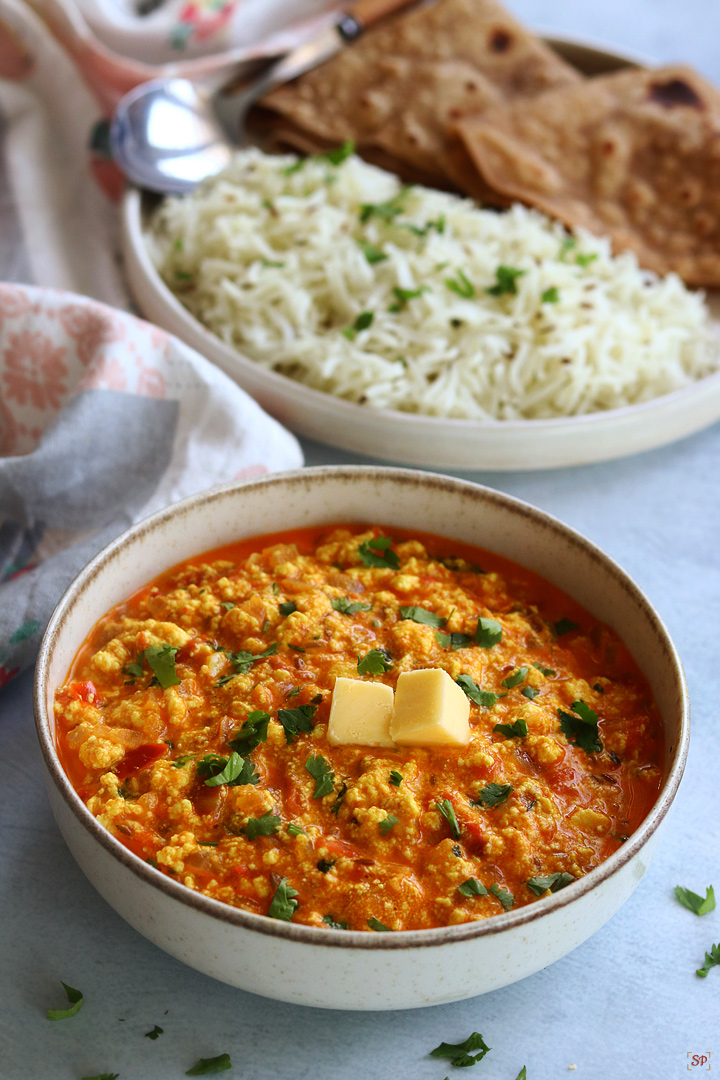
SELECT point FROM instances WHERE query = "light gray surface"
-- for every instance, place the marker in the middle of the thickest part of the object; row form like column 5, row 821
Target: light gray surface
column 625, row 1005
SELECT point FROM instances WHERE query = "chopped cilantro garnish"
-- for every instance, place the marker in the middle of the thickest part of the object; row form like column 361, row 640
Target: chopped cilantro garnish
column 553, row 882
column 296, row 167
column 387, row 824
column 335, row 924
column 506, row 278
column 378, row 552
column 515, row 679
column 283, row 902
column 161, row 660
column 252, row 733
column 386, row 211
column 295, row 648
column 375, row 924
column 712, row 959
column 585, row 260
column 493, row 795
column 154, row 1034
column 267, row 825
column 221, row 1063
column 323, row 775
column 76, row 1000
column 530, row 692
column 335, row 808
column 376, row 662
column 403, row 297
column 463, row 1054
column 564, row 626
column 325, row 865
column 461, row 285
column 340, row 154
column 227, row 604
column 296, row 720
column 294, row 692
column 371, row 253
column 472, row 887
column 233, row 771
column 243, row 660
column 695, row 903
column 584, row 727
column 102, row 1076
column 135, row 669
column 287, row 608
column 364, row 320
column 550, row 296
column 506, row 898
column 183, row 275
column 447, row 810
column 296, row 830
column 438, row 224
column 522, row 1075
column 452, row 641
column 275, row 588
column 519, row 729
column 396, row 778
column 547, row 671
column 347, row 607
column 272, row 264
column 485, row 698
column 488, row 633
column 422, row 615
column 567, row 245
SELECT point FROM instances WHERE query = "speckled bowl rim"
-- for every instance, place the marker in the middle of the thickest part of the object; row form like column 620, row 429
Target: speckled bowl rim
column 358, row 939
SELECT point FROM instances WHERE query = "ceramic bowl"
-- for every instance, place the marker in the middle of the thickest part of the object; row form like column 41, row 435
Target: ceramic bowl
column 356, row 970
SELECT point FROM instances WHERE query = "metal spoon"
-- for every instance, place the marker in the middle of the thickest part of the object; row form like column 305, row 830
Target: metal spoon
column 166, row 134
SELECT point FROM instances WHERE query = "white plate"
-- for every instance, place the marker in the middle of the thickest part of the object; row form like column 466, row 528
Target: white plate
column 429, row 440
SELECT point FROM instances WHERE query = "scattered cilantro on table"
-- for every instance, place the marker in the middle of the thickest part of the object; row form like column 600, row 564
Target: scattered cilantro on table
column 221, row 1063
column 155, row 1033
column 695, row 903
column 76, row 1001
column 712, row 959
column 463, row 1054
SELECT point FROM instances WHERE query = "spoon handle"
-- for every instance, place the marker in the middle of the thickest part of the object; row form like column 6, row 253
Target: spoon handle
column 367, row 12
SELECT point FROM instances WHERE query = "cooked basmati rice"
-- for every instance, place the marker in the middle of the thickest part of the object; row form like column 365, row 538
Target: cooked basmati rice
column 405, row 298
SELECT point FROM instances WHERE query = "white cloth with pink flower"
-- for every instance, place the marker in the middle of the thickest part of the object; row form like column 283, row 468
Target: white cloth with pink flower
column 103, row 420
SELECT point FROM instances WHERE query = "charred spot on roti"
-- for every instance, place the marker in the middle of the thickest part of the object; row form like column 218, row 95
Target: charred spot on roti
column 675, row 92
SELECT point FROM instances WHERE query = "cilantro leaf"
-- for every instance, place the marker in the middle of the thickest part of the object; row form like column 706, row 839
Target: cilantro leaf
column 340, row 154
column 522, row 1075
column 296, row 720
column 404, row 296
column 461, row 285
column 472, row 887
column 347, row 607
column 376, row 662
column 529, row 692
column 550, row 296
column 506, row 278
column 252, row 733
column 76, row 1000
column 221, row 1063
column 493, row 795
column 378, row 552
column 585, row 260
column 396, row 778
column 712, row 959
column 102, row 1076
column 154, row 1034
column 233, row 771
column 296, row 830
column 323, row 775
column 227, row 604
column 375, row 924
column 386, row 825
column 564, row 626
column 161, row 661
column 547, row 671
column 283, row 903
column 364, row 320
column 287, row 608
column 584, row 727
column 484, row 698
column 488, row 633
column 517, row 730
column 695, row 903
column 506, row 898
column 516, row 678
column 452, row 641
column 267, row 825
column 553, row 882
column 371, row 253
column 243, row 660
column 459, row 1053
column 135, row 669
column 386, row 211
column 335, row 924
column 447, row 810
column 422, row 615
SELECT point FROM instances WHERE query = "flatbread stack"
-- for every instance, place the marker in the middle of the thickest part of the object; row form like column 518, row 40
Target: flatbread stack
column 398, row 90
column 458, row 95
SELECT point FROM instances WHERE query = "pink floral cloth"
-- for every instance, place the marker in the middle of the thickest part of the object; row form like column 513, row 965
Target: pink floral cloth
column 103, row 420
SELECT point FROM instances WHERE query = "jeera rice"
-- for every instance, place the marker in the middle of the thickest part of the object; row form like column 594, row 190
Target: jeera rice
column 331, row 272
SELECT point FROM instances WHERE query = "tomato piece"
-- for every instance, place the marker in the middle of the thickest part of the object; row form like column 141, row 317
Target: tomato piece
column 84, row 691
column 140, row 758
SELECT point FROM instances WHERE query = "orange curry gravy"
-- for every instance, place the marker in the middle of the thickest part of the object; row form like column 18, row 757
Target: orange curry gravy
column 532, row 806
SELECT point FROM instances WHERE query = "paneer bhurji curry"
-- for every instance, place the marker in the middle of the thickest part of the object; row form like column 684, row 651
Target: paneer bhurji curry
column 361, row 728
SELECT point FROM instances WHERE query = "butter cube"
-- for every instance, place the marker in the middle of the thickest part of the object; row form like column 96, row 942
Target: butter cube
column 430, row 710
column 360, row 713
